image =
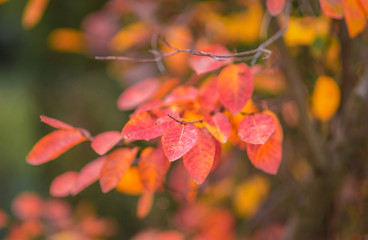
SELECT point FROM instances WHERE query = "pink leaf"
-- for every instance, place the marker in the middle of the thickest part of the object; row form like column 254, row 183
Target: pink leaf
column 257, row 128
column 56, row 123
column 275, row 7
column 62, row 184
column 103, row 142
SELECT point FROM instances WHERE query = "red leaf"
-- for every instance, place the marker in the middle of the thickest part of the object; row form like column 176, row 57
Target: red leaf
column 257, row 128
column 219, row 126
column 88, row 175
column 144, row 204
column 148, row 106
column 145, row 126
column 266, row 157
column 354, row 17
column 56, row 123
column 235, row 86
column 138, row 93
column 208, row 95
column 275, row 7
column 62, row 185
column 152, row 168
column 332, row 8
column 202, row 64
column 103, row 142
column 53, row 145
column 178, row 139
column 115, row 166
column 218, row 151
column 199, row 160
column 27, row 206
column 182, row 94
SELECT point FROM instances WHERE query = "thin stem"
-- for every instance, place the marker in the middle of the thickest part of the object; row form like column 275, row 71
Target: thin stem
column 184, row 122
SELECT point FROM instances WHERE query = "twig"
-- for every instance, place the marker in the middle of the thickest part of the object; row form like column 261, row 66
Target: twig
column 185, row 122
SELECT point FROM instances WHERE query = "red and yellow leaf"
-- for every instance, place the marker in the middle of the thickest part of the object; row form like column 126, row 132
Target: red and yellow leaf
column 152, row 168
column 53, row 145
column 257, row 128
column 178, row 139
column 199, row 160
column 116, row 164
column 275, row 7
column 103, row 142
column 89, row 174
column 144, row 204
column 235, row 86
column 203, row 64
column 33, row 12
column 219, row 126
column 145, row 126
column 138, row 93
column 266, row 157
column 332, row 8
column 62, row 185
column 354, row 17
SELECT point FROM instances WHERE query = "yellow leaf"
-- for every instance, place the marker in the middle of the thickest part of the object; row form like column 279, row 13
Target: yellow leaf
column 325, row 98
column 130, row 183
column 33, row 12
column 249, row 195
column 66, row 40
column 129, row 36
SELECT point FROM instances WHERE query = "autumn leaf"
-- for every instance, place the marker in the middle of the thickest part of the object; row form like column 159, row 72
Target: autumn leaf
column 148, row 106
column 199, row 160
column 266, row 157
column 116, row 164
column 182, row 94
column 208, row 95
column 67, row 40
column 138, row 93
column 103, row 142
column 354, row 17
column 275, row 7
column 27, row 205
column 364, row 5
column 145, row 126
column 332, row 8
column 53, row 145
column 89, row 174
column 152, row 168
column 235, row 86
column 325, row 98
column 33, row 12
column 130, row 183
column 166, row 87
column 256, row 128
column 56, row 123
column 219, row 126
column 178, row 139
column 144, row 204
column 203, row 64
column 218, row 151
column 62, row 185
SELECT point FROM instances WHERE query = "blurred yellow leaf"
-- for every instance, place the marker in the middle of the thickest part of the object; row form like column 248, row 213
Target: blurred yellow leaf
column 325, row 98
column 303, row 31
column 249, row 195
column 130, row 35
column 270, row 80
column 66, row 40
column 33, row 12
column 130, row 183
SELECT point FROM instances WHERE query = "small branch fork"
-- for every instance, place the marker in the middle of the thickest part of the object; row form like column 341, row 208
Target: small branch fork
column 241, row 56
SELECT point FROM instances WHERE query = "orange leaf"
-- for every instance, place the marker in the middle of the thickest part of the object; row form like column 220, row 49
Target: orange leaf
column 103, row 142
column 354, row 17
column 152, row 168
column 266, row 157
column 130, row 183
column 219, row 126
column 144, row 126
column 67, row 40
column 275, row 7
column 256, row 129
column 235, row 86
column 88, row 175
column 203, row 64
column 332, row 8
column 53, row 145
column 116, row 164
column 364, row 4
column 144, row 204
column 56, row 123
column 208, row 95
column 182, row 94
column 199, row 160
column 33, row 12
column 62, row 185
column 27, row 206
column 178, row 139
column 138, row 93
